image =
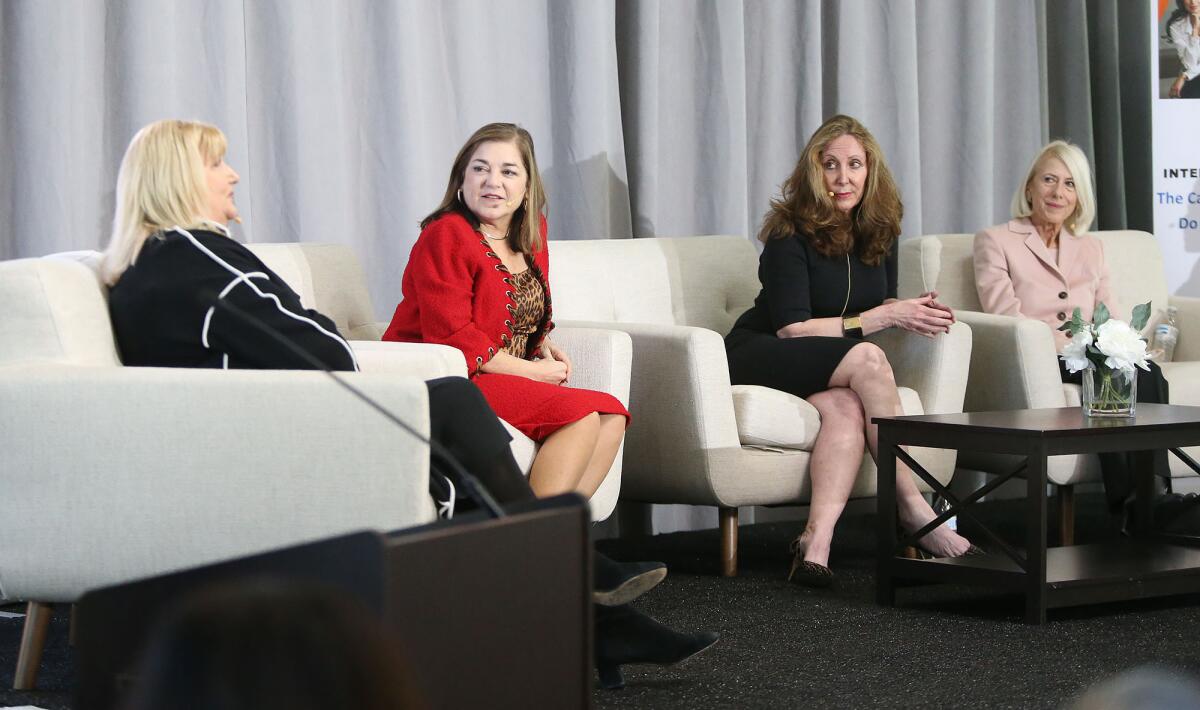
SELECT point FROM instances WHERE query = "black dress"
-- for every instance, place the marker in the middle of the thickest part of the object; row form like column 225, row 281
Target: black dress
column 798, row 283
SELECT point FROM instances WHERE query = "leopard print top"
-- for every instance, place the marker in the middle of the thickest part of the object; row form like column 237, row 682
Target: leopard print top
column 528, row 297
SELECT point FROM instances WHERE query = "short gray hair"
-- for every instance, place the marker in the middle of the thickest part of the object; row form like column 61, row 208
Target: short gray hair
column 1085, row 195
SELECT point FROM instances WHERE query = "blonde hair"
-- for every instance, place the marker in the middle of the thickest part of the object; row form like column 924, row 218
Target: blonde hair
column 524, row 231
column 1077, row 164
column 161, row 184
column 804, row 207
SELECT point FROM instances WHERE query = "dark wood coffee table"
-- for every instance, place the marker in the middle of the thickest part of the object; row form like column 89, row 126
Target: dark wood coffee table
column 1146, row 565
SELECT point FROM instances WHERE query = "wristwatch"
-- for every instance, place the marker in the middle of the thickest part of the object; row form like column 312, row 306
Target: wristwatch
column 852, row 325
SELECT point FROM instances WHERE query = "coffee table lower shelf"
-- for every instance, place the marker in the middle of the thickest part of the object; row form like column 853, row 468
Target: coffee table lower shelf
column 1076, row 575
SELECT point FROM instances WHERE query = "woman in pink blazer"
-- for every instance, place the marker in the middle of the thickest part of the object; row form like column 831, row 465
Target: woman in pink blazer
column 1042, row 264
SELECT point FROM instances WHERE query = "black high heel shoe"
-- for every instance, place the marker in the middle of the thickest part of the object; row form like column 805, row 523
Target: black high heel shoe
column 810, row 574
column 625, row 635
column 615, row 583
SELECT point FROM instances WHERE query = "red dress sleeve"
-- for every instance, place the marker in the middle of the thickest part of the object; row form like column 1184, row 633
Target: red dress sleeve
column 438, row 289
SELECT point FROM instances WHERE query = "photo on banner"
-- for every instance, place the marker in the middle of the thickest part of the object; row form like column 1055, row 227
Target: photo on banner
column 1175, row 68
column 1178, row 49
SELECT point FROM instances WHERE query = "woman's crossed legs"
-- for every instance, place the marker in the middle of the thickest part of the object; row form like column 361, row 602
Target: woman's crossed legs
column 861, row 387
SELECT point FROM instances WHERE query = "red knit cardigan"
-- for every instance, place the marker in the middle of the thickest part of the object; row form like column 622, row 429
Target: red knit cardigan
column 456, row 291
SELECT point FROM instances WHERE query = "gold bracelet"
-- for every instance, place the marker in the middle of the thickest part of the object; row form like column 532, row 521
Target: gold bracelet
column 852, row 325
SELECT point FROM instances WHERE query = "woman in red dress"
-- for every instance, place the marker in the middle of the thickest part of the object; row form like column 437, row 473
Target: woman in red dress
column 478, row 279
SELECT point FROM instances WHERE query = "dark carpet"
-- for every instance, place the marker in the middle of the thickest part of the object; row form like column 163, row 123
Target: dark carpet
column 941, row 647
column 786, row 646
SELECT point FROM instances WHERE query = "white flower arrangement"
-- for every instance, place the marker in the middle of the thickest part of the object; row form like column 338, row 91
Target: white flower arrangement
column 1112, row 348
column 1105, row 342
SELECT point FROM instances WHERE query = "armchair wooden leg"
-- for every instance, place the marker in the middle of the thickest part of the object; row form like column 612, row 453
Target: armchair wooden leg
column 1066, row 515
column 33, row 640
column 729, row 533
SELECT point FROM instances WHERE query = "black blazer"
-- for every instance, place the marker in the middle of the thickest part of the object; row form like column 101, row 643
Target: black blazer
column 164, row 314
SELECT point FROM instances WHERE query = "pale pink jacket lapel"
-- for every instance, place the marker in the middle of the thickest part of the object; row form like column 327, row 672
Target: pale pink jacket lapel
column 1068, row 248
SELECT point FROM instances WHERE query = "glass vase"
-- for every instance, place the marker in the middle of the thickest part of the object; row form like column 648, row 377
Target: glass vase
column 1109, row 393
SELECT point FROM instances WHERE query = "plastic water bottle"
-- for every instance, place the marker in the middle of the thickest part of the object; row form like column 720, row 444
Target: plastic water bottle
column 941, row 505
column 1166, row 335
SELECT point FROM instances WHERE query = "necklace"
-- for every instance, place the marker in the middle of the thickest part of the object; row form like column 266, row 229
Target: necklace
column 847, row 303
column 489, row 236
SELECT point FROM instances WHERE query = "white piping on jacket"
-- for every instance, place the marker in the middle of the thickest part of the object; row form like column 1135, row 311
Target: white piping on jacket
column 242, row 277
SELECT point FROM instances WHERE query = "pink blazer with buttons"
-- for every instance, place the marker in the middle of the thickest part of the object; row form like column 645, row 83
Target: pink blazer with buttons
column 1016, row 275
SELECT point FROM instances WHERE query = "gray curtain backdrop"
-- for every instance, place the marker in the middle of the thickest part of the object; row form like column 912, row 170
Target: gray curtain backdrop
column 1098, row 95
column 652, row 118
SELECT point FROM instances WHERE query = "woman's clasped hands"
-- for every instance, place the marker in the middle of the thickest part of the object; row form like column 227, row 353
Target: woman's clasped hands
column 923, row 314
column 554, row 366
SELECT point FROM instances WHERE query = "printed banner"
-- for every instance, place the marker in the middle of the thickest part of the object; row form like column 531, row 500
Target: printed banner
column 1176, row 119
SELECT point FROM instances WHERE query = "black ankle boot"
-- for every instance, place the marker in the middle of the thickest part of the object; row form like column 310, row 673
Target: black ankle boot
column 625, row 635
column 615, row 583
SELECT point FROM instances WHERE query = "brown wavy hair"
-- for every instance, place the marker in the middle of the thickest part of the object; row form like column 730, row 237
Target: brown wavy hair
column 524, row 232
column 804, row 206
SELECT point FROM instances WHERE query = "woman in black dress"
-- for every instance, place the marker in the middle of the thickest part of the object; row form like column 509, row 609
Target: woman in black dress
column 828, row 272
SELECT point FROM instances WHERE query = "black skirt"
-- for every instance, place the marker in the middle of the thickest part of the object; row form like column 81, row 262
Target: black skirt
column 799, row 366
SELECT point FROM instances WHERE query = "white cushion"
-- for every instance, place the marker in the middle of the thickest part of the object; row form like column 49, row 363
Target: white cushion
column 774, row 419
column 327, row 277
column 523, row 448
column 910, row 401
column 703, row 281
column 54, row 311
column 87, row 257
column 1183, row 379
column 115, row 473
column 777, row 420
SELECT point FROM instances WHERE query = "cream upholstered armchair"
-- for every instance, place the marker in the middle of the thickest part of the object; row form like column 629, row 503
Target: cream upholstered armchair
column 329, row 278
column 695, row 438
column 1013, row 361
column 113, row 473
